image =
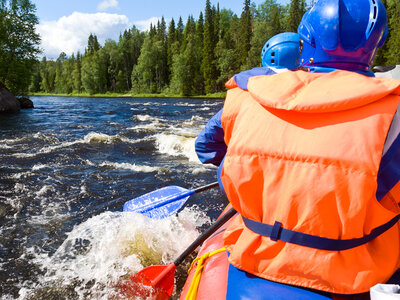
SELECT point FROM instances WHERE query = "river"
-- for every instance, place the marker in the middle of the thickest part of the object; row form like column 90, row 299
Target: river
column 66, row 169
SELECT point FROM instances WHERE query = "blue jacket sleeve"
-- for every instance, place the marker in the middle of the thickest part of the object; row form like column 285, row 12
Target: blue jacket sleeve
column 389, row 169
column 210, row 145
column 242, row 79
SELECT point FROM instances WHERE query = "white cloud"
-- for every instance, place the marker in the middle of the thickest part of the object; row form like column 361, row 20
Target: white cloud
column 106, row 4
column 145, row 24
column 70, row 33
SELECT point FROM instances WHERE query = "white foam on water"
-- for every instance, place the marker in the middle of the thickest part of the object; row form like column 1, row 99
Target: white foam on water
column 197, row 118
column 15, row 204
column 37, row 135
column 214, row 103
column 203, row 169
column 102, row 252
column 188, row 130
column 90, row 138
column 19, row 175
column 49, row 209
column 48, row 149
column 133, row 167
column 155, row 127
column 177, row 145
column 44, row 190
column 83, row 190
column 144, row 118
column 152, row 104
column 94, row 137
column 186, row 104
column 39, row 167
column 5, row 146
column 89, row 163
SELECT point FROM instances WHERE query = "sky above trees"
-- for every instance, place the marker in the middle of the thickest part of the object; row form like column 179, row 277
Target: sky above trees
column 64, row 27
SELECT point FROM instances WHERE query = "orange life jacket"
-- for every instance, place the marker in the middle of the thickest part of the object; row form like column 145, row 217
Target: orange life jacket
column 303, row 156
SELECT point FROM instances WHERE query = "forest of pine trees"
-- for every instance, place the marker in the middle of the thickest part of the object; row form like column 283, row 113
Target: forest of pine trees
column 195, row 58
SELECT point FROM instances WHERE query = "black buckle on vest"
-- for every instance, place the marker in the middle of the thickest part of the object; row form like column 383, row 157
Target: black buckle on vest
column 276, row 231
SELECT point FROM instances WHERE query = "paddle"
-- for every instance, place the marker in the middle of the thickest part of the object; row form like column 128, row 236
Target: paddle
column 163, row 202
column 161, row 278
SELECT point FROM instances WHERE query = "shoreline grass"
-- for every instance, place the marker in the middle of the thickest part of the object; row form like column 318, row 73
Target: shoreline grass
column 220, row 95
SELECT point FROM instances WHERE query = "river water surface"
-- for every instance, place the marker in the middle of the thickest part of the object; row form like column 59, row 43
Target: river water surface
column 66, row 169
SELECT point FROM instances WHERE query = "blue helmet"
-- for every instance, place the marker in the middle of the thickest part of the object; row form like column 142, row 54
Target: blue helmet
column 342, row 34
column 282, row 51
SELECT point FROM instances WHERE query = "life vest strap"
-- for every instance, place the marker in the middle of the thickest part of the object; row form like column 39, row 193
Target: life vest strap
column 277, row 232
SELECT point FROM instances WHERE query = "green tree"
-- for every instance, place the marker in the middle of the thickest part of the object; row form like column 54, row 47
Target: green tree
column 296, row 12
column 163, row 58
column 94, row 72
column 227, row 53
column 246, row 31
column 59, row 80
column 48, row 75
column 392, row 54
column 186, row 68
column 114, row 71
column 130, row 45
column 146, row 75
column 208, row 63
column 36, row 79
column 266, row 24
column 67, row 67
column 170, row 42
column 93, row 44
column 199, row 77
column 179, row 32
column 77, row 74
column 18, row 43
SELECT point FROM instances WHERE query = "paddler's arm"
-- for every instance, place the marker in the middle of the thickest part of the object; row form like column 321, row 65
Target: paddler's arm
column 242, row 79
column 210, row 145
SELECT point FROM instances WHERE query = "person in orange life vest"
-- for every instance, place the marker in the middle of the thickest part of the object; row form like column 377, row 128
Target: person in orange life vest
column 313, row 159
column 279, row 54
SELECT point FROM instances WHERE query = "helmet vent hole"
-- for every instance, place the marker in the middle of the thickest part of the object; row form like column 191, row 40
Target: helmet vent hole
column 273, row 54
column 272, row 61
column 374, row 12
column 267, row 45
column 372, row 26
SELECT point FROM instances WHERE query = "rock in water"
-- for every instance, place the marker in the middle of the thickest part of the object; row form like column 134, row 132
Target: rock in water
column 8, row 102
column 25, row 102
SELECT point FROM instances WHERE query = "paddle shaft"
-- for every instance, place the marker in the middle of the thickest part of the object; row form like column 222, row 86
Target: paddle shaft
column 205, row 235
column 206, row 187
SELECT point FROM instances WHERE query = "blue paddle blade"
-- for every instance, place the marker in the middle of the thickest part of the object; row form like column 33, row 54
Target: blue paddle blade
column 160, row 203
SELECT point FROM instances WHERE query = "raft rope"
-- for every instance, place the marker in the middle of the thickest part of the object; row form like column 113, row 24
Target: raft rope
column 192, row 293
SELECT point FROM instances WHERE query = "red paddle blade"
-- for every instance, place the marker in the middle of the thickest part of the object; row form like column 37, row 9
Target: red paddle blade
column 156, row 282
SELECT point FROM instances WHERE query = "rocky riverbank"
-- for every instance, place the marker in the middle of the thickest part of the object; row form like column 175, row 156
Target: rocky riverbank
column 11, row 104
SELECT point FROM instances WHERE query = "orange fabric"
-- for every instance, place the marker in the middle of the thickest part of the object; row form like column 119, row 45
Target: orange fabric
column 231, row 84
column 304, row 149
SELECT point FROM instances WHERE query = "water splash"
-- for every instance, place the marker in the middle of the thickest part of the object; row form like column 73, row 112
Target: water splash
column 100, row 253
column 177, row 145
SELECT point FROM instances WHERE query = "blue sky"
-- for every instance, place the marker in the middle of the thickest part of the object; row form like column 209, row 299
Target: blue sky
column 65, row 26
